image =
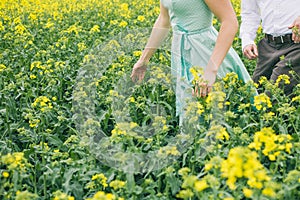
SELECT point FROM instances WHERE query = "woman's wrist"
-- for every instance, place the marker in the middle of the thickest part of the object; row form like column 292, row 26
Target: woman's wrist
column 212, row 67
column 143, row 61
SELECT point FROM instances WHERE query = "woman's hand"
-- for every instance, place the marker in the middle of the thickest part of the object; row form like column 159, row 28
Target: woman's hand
column 205, row 86
column 138, row 71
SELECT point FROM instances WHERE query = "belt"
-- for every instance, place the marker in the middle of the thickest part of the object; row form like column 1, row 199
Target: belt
column 186, row 47
column 279, row 39
column 184, row 34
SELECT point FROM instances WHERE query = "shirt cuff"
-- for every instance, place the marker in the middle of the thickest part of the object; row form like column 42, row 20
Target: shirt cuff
column 246, row 41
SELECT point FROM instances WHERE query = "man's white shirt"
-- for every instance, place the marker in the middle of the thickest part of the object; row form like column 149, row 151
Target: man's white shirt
column 275, row 16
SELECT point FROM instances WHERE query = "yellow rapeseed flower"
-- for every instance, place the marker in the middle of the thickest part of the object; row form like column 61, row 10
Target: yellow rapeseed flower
column 33, row 16
column 124, row 7
column 123, row 24
column 228, row 198
column 214, row 162
column 222, row 134
column 184, row 171
column 81, row 46
column 131, row 99
column 271, row 142
column 269, row 192
column 34, row 122
column 101, row 179
column 20, row 29
column 242, row 162
column 247, row 192
column 5, row 174
column 95, row 29
column 113, row 22
column 141, row 18
column 216, row 99
column 2, row 68
column 196, row 72
column 185, row 194
column 58, row 195
column 73, row 29
column 2, row 28
column 49, row 24
column 117, row 184
column 117, row 131
column 285, row 78
column 137, row 53
column 100, row 195
column 263, row 80
column 200, row 185
column 262, row 102
column 43, row 103
column 219, row 132
column 32, row 76
column 168, row 150
column 15, row 161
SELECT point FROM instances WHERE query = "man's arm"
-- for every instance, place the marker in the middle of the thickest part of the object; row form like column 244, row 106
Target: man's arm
column 250, row 14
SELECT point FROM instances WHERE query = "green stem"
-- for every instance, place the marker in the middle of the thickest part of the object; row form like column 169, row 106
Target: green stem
column 130, row 182
column 44, row 164
column 8, row 125
column 34, row 175
column 157, row 101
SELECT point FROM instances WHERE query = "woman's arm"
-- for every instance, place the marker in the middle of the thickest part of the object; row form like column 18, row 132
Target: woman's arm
column 158, row 34
column 224, row 11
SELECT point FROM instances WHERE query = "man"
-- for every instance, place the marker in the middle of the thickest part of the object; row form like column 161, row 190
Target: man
column 279, row 51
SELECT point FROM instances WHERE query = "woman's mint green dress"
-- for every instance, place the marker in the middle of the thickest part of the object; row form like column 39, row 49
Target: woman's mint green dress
column 193, row 41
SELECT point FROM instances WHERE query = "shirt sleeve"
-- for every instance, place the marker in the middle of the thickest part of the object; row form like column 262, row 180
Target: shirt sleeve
column 250, row 16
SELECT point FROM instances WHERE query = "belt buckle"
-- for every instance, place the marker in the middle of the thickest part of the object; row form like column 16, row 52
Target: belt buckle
column 281, row 38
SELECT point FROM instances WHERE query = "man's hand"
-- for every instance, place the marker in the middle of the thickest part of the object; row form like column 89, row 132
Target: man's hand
column 295, row 26
column 250, row 51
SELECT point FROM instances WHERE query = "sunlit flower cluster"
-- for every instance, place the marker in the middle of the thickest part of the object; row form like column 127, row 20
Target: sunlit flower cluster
column 167, row 151
column 230, row 79
column 43, row 103
column 262, row 102
column 117, row 184
column 243, row 163
column 283, row 78
column 216, row 99
column 98, row 179
column 219, row 132
column 58, row 195
column 15, row 161
column 271, row 144
column 102, row 196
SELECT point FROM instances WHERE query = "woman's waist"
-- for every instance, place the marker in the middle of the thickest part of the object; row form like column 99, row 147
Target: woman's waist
column 178, row 30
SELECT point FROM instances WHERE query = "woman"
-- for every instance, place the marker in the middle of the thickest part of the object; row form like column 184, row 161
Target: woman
column 195, row 43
